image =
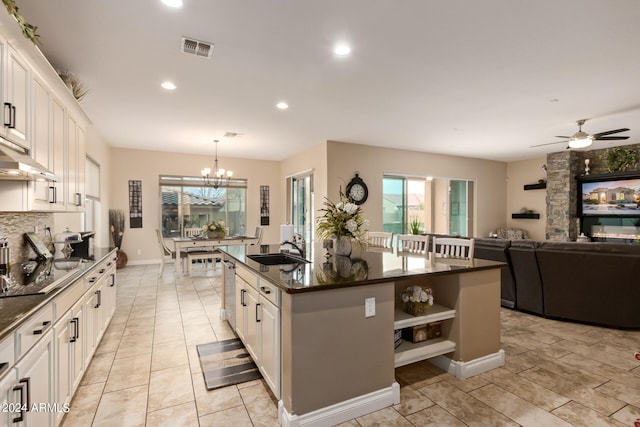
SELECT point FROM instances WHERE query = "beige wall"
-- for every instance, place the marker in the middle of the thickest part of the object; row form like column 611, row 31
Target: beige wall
column 140, row 244
column 519, row 174
column 372, row 163
column 314, row 159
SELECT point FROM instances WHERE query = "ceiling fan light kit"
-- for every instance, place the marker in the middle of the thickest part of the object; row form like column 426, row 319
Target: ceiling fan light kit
column 582, row 139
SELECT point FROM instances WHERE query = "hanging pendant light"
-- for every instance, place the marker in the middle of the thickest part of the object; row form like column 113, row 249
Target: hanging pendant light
column 220, row 177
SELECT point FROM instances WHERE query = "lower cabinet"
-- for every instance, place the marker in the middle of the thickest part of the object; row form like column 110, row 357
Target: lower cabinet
column 270, row 344
column 258, row 326
column 53, row 352
column 35, row 385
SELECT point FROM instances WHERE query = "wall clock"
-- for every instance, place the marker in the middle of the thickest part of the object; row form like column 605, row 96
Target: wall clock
column 357, row 190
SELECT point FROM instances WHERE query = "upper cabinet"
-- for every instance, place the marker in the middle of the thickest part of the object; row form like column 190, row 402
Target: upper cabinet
column 17, row 99
column 41, row 115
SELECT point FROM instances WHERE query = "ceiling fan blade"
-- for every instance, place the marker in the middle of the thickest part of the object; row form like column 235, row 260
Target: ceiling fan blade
column 611, row 138
column 565, row 137
column 548, row 143
column 609, row 132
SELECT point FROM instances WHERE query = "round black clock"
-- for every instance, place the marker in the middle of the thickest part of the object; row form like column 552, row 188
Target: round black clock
column 357, row 190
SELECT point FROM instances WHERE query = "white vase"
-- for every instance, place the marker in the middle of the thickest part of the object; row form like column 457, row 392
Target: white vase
column 342, row 245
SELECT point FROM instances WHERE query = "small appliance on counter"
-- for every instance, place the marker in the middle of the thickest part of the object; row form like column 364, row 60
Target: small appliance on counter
column 67, row 238
column 83, row 248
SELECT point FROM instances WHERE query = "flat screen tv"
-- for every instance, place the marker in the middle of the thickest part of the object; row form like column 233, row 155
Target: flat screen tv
column 609, row 196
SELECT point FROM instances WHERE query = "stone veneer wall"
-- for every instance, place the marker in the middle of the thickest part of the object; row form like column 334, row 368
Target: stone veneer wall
column 13, row 225
column 563, row 223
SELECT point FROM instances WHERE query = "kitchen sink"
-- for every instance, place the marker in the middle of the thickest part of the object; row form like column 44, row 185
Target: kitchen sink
column 277, row 259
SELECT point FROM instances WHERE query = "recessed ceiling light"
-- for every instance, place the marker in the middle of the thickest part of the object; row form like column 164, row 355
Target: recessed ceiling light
column 173, row 3
column 342, row 50
column 282, row 105
column 168, row 85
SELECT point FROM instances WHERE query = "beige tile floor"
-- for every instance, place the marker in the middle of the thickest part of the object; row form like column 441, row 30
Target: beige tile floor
column 146, row 371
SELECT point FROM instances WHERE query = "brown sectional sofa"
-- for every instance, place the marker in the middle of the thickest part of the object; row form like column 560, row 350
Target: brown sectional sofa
column 596, row 283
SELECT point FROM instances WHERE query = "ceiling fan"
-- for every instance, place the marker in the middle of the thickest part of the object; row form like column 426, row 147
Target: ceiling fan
column 582, row 139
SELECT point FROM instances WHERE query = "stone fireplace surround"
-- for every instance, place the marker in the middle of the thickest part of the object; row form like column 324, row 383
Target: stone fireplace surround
column 563, row 223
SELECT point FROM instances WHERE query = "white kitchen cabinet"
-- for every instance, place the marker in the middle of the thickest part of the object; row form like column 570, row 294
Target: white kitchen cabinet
column 9, row 399
column 258, row 324
column 17, row 99
column 44, row 192
column 270, row 344
column 36, row 374
column 70, row 361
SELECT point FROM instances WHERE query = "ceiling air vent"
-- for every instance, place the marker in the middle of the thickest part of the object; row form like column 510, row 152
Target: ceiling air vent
column 197, row 47
column 232, row 135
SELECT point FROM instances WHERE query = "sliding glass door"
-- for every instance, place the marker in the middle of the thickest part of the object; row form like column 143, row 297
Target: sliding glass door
column 301, row 205
column 403, row 204
column 460, row 207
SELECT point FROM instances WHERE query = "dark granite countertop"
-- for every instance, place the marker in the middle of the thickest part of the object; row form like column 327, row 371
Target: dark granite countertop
column 14, row 310
column 364, row 266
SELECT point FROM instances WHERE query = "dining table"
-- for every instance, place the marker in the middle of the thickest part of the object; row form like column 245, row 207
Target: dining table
column 201, row 243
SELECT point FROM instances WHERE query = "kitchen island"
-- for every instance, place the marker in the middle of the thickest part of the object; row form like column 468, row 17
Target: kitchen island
column 322, row 331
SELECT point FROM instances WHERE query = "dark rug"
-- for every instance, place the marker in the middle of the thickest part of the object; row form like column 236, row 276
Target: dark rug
column 226, row 363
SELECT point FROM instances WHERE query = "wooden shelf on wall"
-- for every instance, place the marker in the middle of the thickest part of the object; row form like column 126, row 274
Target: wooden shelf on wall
column 525, row 216
column 538, row 186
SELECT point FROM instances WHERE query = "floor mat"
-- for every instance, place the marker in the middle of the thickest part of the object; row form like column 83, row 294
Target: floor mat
column 226, row 363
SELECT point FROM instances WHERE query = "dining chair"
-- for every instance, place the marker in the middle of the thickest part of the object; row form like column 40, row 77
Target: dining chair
column 206, row 256
column 381, row 239
column 413, row 243
column 192, row 232
column 451, row 247
column 258, row 235
column 166, row 251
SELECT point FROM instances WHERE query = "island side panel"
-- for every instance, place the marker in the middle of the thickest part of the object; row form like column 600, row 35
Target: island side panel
column 330, row 351
column 476, row 327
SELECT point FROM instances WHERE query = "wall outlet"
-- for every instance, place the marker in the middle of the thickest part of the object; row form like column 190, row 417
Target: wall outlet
column 369, row 307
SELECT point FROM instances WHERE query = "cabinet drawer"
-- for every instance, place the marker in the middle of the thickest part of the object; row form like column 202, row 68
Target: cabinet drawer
column 34, row 328
column 270, row 292
column 248, row 276
column 69, row 297
column 7, row 354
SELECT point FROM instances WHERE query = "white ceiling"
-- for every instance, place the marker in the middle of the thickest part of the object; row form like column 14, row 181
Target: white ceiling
column 461, row 77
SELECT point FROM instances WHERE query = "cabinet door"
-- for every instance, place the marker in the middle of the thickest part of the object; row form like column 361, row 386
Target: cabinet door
column 270, row 344
column 71, row 169
column 241, row 312
column 252, row 306
column 59, row 153
column 36, row 371
column 18, row 98
column 90, row 316
column 43, row 197
column 63, row 332
column 9, row 399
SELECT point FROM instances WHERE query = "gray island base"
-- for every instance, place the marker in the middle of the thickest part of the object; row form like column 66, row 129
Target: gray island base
column 326, row 348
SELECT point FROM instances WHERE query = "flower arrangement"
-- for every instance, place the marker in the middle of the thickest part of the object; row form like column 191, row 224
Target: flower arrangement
column 417, row 299
column 216, row 228
column 116, row 226
column 341, row 219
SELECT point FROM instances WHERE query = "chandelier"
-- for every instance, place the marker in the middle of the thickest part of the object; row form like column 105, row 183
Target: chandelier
column 220, row 178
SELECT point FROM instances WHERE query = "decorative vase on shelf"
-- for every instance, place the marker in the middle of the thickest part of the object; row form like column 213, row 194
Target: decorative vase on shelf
column 122, row 259
column 342, row 245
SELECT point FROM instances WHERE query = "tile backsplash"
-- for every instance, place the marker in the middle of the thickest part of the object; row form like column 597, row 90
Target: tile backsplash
column 13, row 225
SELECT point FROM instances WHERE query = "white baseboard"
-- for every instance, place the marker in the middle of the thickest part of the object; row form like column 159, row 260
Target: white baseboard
column 462, row 370
column 343, row 411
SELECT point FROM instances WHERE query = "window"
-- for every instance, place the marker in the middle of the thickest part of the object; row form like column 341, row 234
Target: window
column 403, row 203
column 300, row 195
column 92, row 201
column 185, row 202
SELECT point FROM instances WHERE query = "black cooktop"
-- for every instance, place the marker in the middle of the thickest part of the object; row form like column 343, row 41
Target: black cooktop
column 37, row 276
